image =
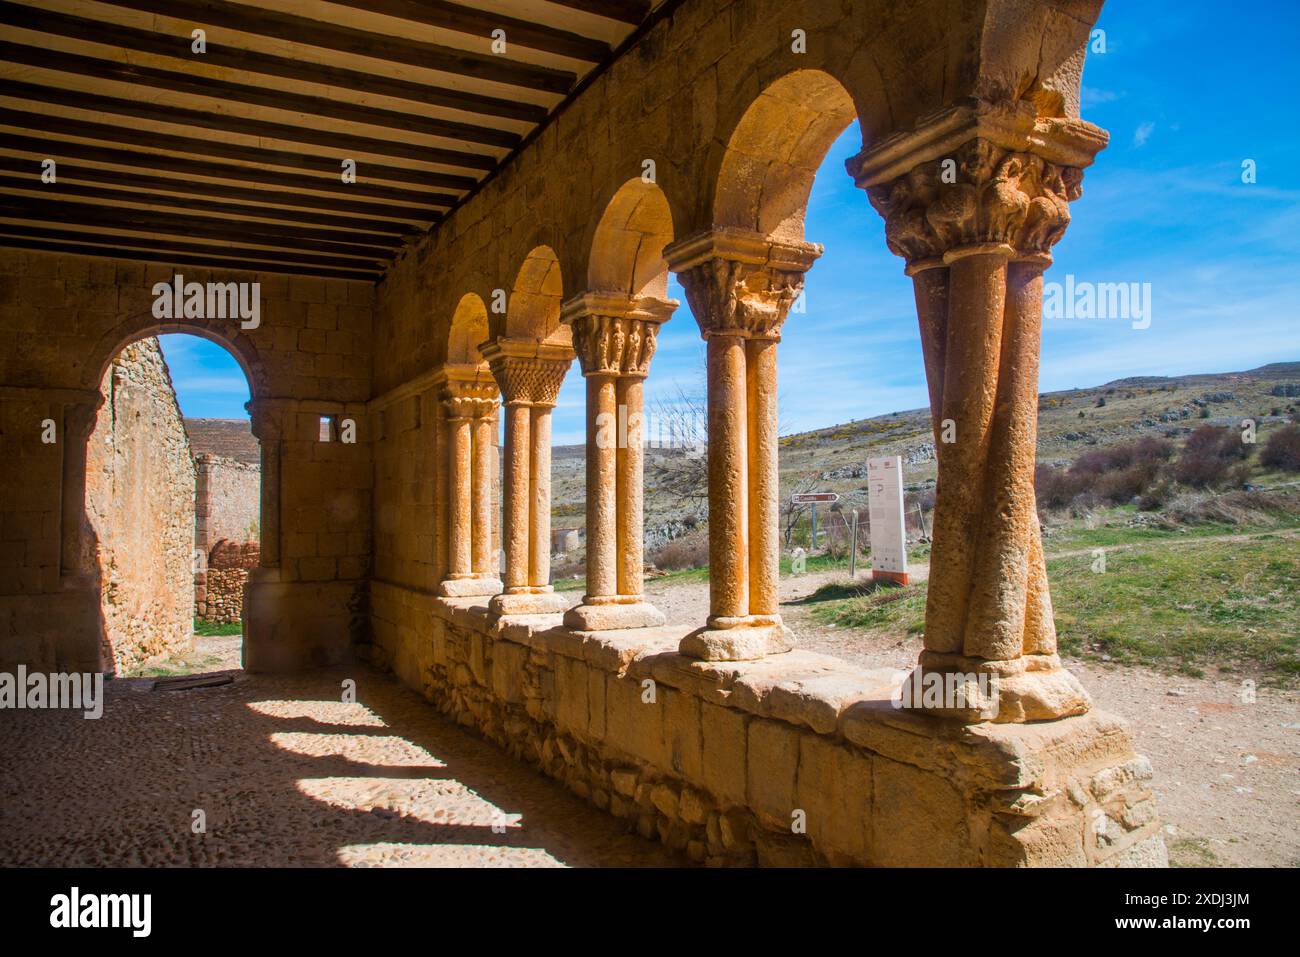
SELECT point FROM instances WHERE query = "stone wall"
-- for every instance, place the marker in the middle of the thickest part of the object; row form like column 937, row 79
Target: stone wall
column 140, row 508
column 219, row 588
column 228, row 501
column 796, row 759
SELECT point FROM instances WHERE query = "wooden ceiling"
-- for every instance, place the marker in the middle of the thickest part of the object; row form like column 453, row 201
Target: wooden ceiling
column 233, row 157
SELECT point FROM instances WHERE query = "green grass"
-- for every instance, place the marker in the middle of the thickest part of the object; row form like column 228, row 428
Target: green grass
column 569, row 584
column 211, row 629
column 186, row 665
column 1234, row 605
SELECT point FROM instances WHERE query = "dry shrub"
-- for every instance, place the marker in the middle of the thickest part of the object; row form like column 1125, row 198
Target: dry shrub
column 1209, row 456
column 689, row 551
column 1282, row 450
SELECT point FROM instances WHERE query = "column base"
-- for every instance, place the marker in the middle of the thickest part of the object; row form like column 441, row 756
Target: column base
column 973, row 690
column 611, row 614
column 738, row 639
column 527, row 603
column 468, row 587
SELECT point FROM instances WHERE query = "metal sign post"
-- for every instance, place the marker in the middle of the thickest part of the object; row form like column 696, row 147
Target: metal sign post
column 813, row 498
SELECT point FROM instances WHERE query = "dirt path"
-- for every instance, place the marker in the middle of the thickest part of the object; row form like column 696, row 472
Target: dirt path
column 1227, row 773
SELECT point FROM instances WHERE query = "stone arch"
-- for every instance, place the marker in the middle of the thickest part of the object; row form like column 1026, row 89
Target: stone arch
column 533, row 308
column 469, row 328
column 774, row 152
column 217, row 331
column 627, row 249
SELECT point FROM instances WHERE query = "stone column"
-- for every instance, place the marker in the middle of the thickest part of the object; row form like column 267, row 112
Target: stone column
column 974, row 204
column 78, row 424
column 529, row 375
column 614, row 337
column 469, row 399
column 740, row 286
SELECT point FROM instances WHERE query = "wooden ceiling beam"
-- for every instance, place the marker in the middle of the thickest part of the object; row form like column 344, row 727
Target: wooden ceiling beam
column 624, row 11
column 251, row 61
column 176, row 82
column 215, row 262
column 31, row 170
column 224, row 15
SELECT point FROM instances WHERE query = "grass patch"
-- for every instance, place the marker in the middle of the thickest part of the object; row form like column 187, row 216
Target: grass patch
column 569, row 584
column 216, row 629
column 1192, row 852
column 1234, row 605
column 870, row 605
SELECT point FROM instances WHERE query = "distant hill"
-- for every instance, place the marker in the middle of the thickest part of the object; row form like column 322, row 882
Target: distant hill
column 1069, row 422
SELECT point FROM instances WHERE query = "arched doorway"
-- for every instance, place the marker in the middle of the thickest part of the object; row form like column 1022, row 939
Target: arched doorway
column 172, row 519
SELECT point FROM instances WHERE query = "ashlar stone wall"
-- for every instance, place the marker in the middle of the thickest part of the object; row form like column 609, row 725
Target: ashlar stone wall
column 140, row 511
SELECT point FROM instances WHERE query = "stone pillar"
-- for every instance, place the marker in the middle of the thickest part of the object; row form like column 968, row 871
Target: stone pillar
column 78, row 424
column 268, row 429
column 974, row 203
column 469, row 400
column 529, row 375
column 614, row 337
column 740, row 286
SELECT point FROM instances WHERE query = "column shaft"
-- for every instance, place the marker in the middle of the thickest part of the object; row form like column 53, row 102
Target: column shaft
column 977, row 293
column 539, row 563
column 515, row 496
column 728, row 482
column 484, row 473
column 764, row 507
column 602, row 442
column 630, row 481
column 459, row 483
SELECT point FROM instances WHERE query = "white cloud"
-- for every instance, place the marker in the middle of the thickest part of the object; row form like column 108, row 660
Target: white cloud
column 1143, row 133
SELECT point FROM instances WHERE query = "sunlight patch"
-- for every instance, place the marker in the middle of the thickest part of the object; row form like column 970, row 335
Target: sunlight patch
column 326, row 712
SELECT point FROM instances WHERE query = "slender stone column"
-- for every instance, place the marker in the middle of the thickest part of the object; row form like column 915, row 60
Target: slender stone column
column 529, row 375
column 614, row 336
column 78, row 424
column 468, row 450
column 974, row 205
column 484, row 475
column 740, row 286
column 458, row 441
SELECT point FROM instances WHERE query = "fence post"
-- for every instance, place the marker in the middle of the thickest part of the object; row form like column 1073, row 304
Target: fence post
column 853, row 547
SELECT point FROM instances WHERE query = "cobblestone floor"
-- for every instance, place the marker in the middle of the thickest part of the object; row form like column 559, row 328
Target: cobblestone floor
column 285, row 774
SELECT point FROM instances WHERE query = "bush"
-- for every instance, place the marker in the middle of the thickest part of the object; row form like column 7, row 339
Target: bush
column 689, row 551
column 1282, row 450
column 1208, row 456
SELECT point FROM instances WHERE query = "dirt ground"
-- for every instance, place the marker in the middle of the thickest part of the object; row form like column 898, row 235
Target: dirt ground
column 1227, row 773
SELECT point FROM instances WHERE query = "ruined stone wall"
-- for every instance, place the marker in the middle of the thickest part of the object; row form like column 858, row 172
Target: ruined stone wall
column 796, row 759
column 228, row 501
column 140, row 508
column 219, row 587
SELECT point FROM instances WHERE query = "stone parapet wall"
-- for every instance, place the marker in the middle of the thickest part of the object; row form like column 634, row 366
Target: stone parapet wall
column 796, row 759
column 228, row 500
column 222, row 597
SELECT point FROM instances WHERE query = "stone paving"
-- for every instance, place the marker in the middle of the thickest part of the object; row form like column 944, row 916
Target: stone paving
column 285, row 774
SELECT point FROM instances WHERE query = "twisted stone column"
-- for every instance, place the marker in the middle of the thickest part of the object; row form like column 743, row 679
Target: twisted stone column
column 467, row 453
column 614, row 336
column 529, row 375
column 974, row 203
column 740, row 286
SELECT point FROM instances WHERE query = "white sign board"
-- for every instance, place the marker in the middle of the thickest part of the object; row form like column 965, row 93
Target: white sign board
column 885, row 507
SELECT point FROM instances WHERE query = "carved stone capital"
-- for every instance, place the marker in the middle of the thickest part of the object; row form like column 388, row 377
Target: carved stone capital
column 528, row 373
column 266, row 420
column 614, row 334
column 466, row 391
column 740, row 283
column 983, row 176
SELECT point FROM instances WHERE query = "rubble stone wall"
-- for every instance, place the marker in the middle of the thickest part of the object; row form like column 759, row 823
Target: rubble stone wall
column 140, row 506
column 796, row 759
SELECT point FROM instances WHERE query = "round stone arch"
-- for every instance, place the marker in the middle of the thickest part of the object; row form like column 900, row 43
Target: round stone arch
column 533, row 306
column 467, row 330
column 628, row 242
column 765, row 172
column 217, row 331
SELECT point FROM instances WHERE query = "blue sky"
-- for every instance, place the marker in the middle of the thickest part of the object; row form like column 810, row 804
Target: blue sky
column 1187, row 91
